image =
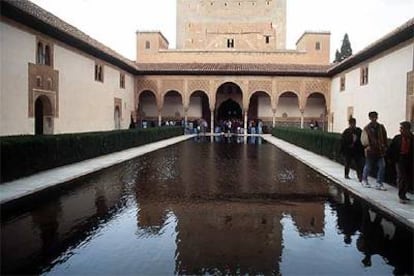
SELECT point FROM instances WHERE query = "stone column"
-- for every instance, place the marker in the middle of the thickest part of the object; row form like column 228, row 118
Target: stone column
column 185, row 116
column 245, row 122
column 302, row 118
column 274, row 117
column 212, row 122
column 159, row 118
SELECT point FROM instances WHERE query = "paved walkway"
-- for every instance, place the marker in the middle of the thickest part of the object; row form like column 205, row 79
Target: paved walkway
column 386, row 201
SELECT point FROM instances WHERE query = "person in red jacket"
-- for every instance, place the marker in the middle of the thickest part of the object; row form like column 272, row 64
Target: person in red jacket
column 401, row 153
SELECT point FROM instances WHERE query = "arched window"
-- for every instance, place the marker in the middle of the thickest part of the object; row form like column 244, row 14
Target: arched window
column 40, row 54
column 47, row 55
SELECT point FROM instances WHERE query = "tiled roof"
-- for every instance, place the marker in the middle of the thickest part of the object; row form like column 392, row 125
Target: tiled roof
column 233, row 68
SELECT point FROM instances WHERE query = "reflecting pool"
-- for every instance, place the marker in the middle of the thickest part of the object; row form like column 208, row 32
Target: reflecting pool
column 226, row 206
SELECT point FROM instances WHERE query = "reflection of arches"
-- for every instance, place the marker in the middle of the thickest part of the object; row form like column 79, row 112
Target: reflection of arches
column 43, row 116
column 198, row 106
column 229, row 110
column 117, row 118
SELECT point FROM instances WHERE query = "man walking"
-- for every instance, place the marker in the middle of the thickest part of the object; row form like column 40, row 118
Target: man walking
column 352, row 148
column 374, row 140
column 401, row 152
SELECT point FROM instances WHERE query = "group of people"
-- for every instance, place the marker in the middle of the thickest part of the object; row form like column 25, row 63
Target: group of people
column 368, row 147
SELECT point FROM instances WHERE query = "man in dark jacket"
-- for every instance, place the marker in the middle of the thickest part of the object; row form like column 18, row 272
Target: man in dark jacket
column 352, row 148
column 374, row 139
column 401, row 152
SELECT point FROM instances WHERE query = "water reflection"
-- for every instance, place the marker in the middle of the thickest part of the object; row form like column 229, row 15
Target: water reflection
column 204, row 208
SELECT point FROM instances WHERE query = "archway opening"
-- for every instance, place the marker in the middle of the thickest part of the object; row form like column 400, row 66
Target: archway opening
column 229, row 100
column 147, row 113
column 173, row 109
column 199, row 107
column 117, row 118
column 229, row 110
column 39, row 117
column 43, row 116
column 260, row 107
column 315, row 111
column 287, row 111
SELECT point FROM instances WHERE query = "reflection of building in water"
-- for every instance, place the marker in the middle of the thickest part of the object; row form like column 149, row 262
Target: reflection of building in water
column 228, row 237
column 231, row 237
column 47, row 231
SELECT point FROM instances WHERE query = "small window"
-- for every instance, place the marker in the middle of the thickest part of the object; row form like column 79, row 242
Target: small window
column 147, row 44
column 47, row 55
column 267, row 39
column 40, row 54
column 342, row 83
column 121, row 80
column 38, row 81
column 225, row 4
column 364, row 75
column 230, row 43
column 49, row 84
column 43, row 53
column 317, row 46
column 99, row 72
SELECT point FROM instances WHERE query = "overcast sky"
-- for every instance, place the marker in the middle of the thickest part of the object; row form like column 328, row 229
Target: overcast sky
column 114, row 22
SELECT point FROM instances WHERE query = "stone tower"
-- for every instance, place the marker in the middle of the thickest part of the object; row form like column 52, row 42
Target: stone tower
column 226, row 25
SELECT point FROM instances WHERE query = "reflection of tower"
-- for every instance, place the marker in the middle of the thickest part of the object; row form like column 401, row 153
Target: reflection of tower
column 228, row 238
column 151, row 216
column 309, row 218
column 47, row 219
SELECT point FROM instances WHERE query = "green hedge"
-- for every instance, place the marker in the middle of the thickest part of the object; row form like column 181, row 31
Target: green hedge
column 28, row 154
column 323, row 143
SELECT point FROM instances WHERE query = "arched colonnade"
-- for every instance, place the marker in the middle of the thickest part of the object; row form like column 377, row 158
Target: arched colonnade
column 274, row 100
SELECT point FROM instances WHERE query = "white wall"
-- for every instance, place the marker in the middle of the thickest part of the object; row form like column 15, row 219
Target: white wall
column 385, row 92
column 84, row 104
column 17, row 49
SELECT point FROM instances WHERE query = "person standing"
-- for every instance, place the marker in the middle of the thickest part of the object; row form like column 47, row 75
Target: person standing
column 352, row 148
column 401, row 153
column 374, row 140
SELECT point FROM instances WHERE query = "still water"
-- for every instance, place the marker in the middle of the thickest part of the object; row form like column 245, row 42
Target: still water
column 204, row 207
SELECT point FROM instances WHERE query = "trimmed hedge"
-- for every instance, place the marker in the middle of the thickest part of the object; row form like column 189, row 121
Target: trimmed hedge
column 29, row 154
column 323, row 143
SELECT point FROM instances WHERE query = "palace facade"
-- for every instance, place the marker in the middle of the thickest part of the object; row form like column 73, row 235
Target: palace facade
column 231, row 62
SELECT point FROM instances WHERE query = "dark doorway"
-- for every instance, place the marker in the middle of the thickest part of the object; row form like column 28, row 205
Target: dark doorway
column 229, row 110
column 39, row 117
